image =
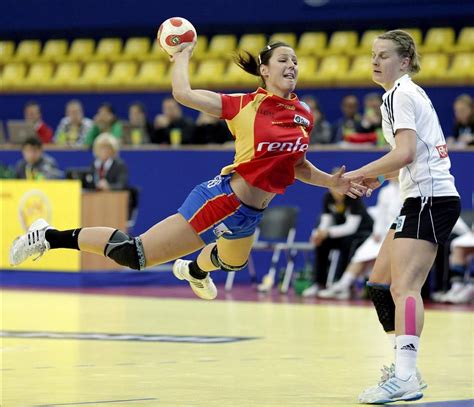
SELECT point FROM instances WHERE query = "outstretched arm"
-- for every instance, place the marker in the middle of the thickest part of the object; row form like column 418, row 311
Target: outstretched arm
column 202, row 100
column 309, row 174
column 389, row 165
column 402, row 155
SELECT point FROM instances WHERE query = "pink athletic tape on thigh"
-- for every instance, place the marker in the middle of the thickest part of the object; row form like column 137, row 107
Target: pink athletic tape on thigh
column 410, row 316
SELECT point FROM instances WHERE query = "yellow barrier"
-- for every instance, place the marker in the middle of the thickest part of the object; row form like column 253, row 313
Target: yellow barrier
column 22, row 202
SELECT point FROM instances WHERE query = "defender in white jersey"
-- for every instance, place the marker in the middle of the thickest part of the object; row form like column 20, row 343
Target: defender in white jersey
column 431, row 206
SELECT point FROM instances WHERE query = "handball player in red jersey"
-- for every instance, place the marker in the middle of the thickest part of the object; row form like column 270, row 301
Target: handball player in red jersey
column 271, row 128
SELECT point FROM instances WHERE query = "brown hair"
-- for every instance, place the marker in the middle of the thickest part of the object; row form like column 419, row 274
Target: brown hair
column 251, row 64
column 405, row 47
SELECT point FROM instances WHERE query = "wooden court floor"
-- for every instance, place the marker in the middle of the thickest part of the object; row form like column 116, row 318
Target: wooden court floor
column 69, row 349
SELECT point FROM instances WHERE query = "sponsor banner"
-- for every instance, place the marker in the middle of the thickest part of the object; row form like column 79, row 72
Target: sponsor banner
column 22, row 202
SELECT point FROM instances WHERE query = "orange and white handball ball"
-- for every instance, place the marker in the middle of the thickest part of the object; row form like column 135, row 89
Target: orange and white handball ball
column 174, row 34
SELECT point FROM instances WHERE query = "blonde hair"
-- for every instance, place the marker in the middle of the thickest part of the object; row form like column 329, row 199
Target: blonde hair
column 466, row 99
column 106, row 139
column 405, row 47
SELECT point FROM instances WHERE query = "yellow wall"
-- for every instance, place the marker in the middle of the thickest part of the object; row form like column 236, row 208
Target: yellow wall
column 22, row 202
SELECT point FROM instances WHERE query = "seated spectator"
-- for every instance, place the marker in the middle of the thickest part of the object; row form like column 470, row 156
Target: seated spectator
column 105, row 121
column 385, row 212
column 73, row 128
column 463, row 132
column 36, row 164
column 110, row 172
column 460, row 266
column 32, row 115
column 321, row 133
column 349, row 123
column 370, row 127
column 140, row 128
column 345, row 224
column 171, row 127
column 211, row 130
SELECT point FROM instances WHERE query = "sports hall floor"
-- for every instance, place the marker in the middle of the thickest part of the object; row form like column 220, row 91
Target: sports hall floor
column 159, row 346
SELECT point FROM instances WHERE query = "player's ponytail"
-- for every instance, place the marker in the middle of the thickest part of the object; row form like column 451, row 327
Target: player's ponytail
column 247, row 62
column 251, row 64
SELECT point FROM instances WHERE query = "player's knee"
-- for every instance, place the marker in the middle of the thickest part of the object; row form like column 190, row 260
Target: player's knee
column 126, row 250
column 384, row 306
column 218, row 262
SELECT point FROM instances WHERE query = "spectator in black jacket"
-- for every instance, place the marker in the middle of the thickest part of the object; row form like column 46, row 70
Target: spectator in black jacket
column 36, row 164
column 211, row 130
column 110, row 172
column 171, row 127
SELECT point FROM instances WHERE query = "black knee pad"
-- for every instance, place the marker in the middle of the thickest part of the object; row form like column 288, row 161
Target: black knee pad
column 223, row 266
column 126, row 250
column 384, row 305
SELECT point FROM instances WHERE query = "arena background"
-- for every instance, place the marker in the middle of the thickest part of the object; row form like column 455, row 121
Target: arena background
column 164, row 175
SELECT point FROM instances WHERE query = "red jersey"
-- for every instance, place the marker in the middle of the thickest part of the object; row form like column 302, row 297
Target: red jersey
column 271, row 135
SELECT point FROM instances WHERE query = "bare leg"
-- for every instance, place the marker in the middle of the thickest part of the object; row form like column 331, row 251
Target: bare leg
column 204, row 259
column 233, row 252
column 93, row 240
column 170, row 239
column 411, row 262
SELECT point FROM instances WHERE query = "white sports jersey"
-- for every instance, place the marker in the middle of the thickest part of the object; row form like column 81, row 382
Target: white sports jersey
column 406, row 106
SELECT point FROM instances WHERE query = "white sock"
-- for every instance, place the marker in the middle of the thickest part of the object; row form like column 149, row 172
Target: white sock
column 346, row 280
column 391, row 337
column 407, row 351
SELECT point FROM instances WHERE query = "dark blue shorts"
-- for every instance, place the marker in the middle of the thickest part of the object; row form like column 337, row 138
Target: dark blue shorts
column 213, row 210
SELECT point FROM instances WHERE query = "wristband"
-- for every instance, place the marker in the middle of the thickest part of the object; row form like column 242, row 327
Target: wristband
column 381, row 179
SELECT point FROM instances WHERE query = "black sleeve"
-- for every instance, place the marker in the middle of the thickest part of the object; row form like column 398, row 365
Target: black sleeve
column 120, row 180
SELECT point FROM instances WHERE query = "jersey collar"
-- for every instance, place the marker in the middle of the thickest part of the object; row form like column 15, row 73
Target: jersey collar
column 293, row 97
column 399, row 81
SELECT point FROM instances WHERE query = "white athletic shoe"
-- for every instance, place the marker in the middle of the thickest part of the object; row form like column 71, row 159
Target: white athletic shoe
column 205, row 288
column 336, row 292
column 391, row 390
column 30, row 244
column 389, row 371
column 311, row 291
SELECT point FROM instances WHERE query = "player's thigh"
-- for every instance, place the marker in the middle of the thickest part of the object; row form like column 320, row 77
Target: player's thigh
column 170, row 239
column 381, row 273
column 235, row 251
column 411, row 261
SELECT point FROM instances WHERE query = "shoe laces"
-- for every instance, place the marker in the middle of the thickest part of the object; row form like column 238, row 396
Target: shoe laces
column 387, row 373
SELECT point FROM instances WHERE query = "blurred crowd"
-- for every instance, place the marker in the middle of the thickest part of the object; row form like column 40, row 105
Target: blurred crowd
column 356, row 126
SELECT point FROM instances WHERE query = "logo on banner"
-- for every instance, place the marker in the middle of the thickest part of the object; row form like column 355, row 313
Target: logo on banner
column 34, row 204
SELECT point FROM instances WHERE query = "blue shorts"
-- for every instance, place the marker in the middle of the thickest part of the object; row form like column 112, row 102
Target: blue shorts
column 213, row 210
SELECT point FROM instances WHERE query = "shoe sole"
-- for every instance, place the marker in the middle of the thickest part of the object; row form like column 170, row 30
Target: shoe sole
column 408, row 397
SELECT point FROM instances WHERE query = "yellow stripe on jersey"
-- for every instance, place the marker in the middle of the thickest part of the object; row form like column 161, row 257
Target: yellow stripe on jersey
column 242, row 127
